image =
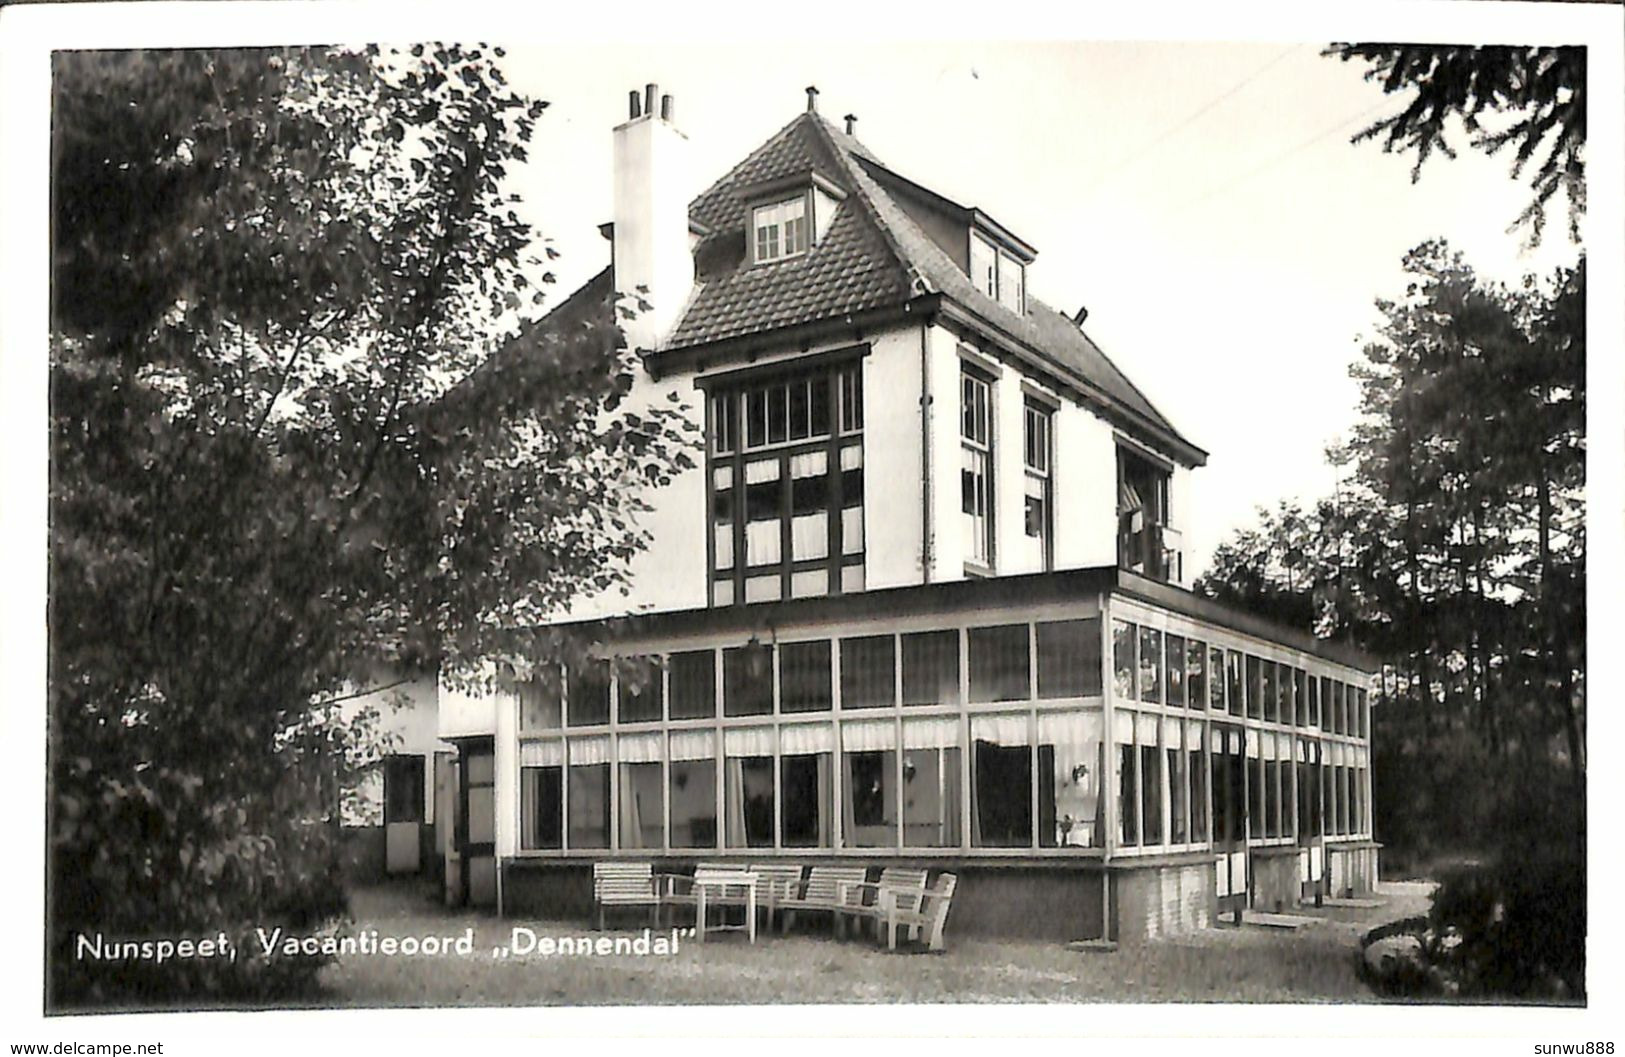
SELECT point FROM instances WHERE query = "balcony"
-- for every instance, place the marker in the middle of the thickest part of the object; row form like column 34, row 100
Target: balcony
column 1149, row 549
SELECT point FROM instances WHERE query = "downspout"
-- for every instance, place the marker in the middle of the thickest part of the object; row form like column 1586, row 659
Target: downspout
column 925, row 452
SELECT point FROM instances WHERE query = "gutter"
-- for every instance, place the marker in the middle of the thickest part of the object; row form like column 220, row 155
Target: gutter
column 925, row 451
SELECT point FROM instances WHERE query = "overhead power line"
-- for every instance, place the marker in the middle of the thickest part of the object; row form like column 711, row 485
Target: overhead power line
column 1280, row 158
column 1191, row 118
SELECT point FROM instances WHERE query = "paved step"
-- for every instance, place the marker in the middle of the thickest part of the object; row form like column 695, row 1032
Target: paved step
column 1288, row 922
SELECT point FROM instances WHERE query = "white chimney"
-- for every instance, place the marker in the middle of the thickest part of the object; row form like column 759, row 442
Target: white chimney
column 651, row 219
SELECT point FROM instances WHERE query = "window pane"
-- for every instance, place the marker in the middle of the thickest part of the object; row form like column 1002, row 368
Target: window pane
column 804, row 676
column 1128, row 801
column 1255, row 799
column 931, row 800
column 643, row 812
column 756, row 418
column 1233, row 675
column 868, row 672
column 931, row 668
column 541, row 808
column 541, row 707
column 1001, row 804
column 588, row 700
column 1255, row 688
column 1268, row 693
column 999, row 663
column 1198, row 785
column 869, row 794
column 778, row 413
column 747, row 680
column 1069, row 770
column 1177, row 790
column 1175, row 658
column 403, row 788
column 1150, row 665
column 805, row 783
column 693, row 685
column 819, row 405
column 589, row 805
column 693, row 790
column 1196, row 673
column 1124, row 638
column 1069, row 658
column 640, row 690
column 749, row 796
column 1151, row 793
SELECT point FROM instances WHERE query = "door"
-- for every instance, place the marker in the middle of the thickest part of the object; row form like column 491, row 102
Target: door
column 475, row 830
column 1230, row 789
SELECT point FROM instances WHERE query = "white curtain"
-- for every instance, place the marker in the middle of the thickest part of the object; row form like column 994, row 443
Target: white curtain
column 1123, row 727
column 1267, row 747
column 871, row 736
column 1070, row 728
column 541, row 753
column 748, row 741
column 1252, row 744
column 639, row 748
column 852, row 457
column 1000, row 729
column 805, row 738
column 762, row 543
column 930, row 732
column 1193, row 734
column 1147, row 725
column 692, row 745
column 761, row 471
column 852, row 530
column 725, row 545
column 809, row 536
column 809, row 464
column 589, row 750
column 723, row 477
column 1216, row 740
column 1171, row 729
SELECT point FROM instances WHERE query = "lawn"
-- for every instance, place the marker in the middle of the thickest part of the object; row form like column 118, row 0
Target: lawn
column 1312, row 964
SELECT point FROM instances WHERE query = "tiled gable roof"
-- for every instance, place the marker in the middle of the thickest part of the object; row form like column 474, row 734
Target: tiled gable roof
column 873, row 256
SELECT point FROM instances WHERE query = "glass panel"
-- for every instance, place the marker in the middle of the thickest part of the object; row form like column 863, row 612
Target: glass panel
column 640, row 682
column 869, row 799
column 693, row 685
column 1151, row 793
column 1175, row 658
column 1234, row 682
column 589, row 805
column 747, row 680
column 1069, row 658
column 1124, row 637
column 931, row 811
column 1215, row 679
column 588, row 700
column 1255, row 798
column 749, row 796
column 1300, row 697
column 643, row 810
column 1001, row 796
column 540, row 705
column 1272, row 798
column 999, row 663
column 693, row 789
column 804, row 677
column 403, row 788
column 1071, row 760
column 541, row 808
column 868, row 672
column 1268, row 695
column 1255, row 688
column 1128, row 801
column 1178, row 786
column 1198, row 786
column 764, row 588
column 805, row 785
column 1196, row 673
column 1150, row 665
column 931, row 668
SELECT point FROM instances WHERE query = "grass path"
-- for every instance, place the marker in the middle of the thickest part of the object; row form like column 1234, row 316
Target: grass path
column 1313, row 964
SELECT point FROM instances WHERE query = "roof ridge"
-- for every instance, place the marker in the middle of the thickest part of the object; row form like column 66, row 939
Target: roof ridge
column 746, row 160
column 918, row 281
column 1167, row 423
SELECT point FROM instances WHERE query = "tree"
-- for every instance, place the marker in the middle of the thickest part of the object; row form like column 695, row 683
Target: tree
column 1455, row 553
column 299, row 426
column 1531, row 99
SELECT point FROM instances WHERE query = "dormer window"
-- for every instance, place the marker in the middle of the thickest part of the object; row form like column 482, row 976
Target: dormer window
column 781, row 229
column 998, row 274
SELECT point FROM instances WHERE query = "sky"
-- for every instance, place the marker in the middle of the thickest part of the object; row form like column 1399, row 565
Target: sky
column 1201, row 199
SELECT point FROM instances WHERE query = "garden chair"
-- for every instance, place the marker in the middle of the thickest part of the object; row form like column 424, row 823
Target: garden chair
column 624, row 884
column 927, row 921
column 825, row 891
column 865, row 902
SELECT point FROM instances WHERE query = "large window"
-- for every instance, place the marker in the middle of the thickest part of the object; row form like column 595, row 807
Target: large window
column 804, row 676
column 587, row 797
column 748, row 788
column 805, row 779
column 1142, row 515
column 976, row 469
column 931, row 668
column 999, row 663
column 1001, row 782
column 1071, row 764
column 787, row 486
column 541, row 807
column 403, row 788
column 931, row 782
column 997, row 274
column 641, row 681
column 781, row 229
column 693, row 685
column 869, row 785
column 642, row 803
column 692, row 788
column 868, row 672
column 587, row 703
column 1069, row 658
column 1036, row 455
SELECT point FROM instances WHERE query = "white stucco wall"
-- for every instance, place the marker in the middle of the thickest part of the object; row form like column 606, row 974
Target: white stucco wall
column 948, row 549
column 408, row 719
column 1085, row 489
column 891, row 456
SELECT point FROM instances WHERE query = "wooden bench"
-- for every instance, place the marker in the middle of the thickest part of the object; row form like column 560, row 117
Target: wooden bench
column 826, row 890
column 905, row 887
column 624, row 884
column 927, row 921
